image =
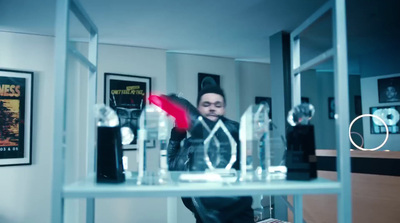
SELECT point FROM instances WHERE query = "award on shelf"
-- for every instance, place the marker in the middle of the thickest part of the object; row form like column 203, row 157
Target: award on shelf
column 153, row 125
column 254, row 140
column 212, row 152
column 220, row 149
column 109, row 146
column 301, row 161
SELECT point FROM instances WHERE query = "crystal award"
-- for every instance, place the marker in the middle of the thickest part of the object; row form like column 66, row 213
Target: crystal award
column 301, row 114
column 254, row 140
column 197, row 159
column 301, row 161
column 220, row 148
column 212, row 153
column 153, row 126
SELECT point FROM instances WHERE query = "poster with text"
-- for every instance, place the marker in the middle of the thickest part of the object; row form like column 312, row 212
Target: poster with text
column 128, row 95
column 15, row 117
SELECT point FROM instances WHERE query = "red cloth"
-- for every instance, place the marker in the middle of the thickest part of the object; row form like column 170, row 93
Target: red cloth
column 172, row 109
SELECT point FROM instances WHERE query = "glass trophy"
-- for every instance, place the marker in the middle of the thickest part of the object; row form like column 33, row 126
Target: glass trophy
column 197, row 156
column 153, row 126
column 301, row 114
column 220, row 149
column 301, row 161
column 212, row 153
column 254, row 141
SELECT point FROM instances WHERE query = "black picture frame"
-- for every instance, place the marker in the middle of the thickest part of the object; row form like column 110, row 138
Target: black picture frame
column 16, row 94
column 128, row 95
column 390, row 115
column 268, row 100
column 331, row 107
column 389, row 90
column 205, row 79
column 305, row 100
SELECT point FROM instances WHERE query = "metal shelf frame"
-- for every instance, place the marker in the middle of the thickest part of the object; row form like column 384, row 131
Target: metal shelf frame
column 339, row 55
column 89, row 190
column 64, row 48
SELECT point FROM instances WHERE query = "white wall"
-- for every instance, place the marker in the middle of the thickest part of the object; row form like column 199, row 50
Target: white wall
column 385, row 61
column 318, row 86
column 254, row 79
column 26, row 190
column 369, row 95
column 186, row 67
column 325, row 136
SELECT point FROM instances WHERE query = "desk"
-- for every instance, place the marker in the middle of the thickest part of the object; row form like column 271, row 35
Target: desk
column 375, row 197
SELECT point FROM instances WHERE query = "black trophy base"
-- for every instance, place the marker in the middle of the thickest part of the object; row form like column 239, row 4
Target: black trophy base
column 301, row 162
column 109, row 156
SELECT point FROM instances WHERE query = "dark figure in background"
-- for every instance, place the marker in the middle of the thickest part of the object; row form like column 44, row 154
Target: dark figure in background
column 210, row 105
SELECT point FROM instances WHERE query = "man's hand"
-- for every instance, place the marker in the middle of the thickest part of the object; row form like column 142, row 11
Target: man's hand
column 178, row 134
column 172, row 108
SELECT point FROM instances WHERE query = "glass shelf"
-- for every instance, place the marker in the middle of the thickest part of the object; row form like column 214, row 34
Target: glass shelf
column 88, row 188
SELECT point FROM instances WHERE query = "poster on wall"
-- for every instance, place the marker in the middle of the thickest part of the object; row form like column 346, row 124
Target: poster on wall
column 15, row 117
column 205, row 80
column 331, row 107
column 389, row 90
column 127, row 95
column 305, row 100
column 268, row 101
column 390, row 115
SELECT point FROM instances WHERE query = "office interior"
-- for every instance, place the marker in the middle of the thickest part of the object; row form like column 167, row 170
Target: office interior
column 171, row 42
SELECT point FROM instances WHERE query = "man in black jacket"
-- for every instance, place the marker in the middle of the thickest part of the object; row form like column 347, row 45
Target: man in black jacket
column 211, row 106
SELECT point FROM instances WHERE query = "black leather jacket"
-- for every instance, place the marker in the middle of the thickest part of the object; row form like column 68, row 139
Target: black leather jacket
column 190, row 157
column 186, row 158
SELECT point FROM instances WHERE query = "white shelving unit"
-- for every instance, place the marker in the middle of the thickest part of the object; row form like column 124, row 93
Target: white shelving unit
column 89, row 190
column 64, row 48
column 338, row 53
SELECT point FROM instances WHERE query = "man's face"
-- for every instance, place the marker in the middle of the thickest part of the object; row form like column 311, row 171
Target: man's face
column 211, row 106
column 391, row 92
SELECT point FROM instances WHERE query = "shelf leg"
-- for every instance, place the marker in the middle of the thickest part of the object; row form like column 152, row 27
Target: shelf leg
column 90, row 210
column 298, row 208
column 172, row 214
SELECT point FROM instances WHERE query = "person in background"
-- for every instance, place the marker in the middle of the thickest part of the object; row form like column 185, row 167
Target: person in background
column 211, row 105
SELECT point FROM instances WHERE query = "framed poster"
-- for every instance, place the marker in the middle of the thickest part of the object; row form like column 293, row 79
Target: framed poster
column 331, row 108
column 127, row 95
column 207, row 80
column 390, row 115
column 268, row 101
column 16, row 90
column 389, row 90
column 305, row 100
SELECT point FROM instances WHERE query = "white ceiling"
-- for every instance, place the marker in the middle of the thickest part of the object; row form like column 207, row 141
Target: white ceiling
column 237, row 29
